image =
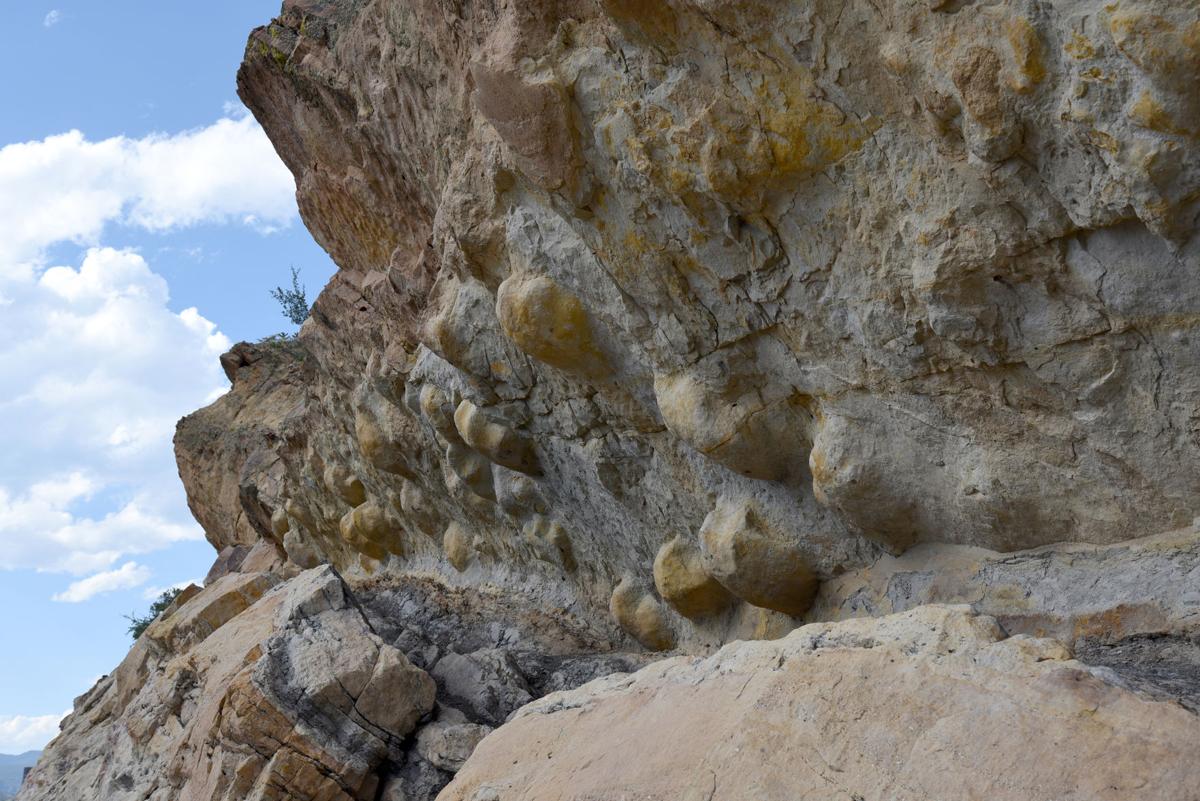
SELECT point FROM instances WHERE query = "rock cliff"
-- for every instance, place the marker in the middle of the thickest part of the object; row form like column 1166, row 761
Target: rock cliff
column 661, row 324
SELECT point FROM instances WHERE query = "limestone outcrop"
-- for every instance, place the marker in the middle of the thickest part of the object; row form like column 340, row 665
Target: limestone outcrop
column 664, row 325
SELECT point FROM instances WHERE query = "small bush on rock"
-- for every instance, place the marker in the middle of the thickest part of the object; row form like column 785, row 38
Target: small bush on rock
column 139, row 623
column 292, row 301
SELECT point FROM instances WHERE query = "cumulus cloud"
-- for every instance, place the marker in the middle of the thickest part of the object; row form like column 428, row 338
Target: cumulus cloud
column 127, row 577
column 21, row 733
column 66, row 188
column 52, row 18
column 39, row 530
column 96, row 370
column 95, row 366
column 153, row 593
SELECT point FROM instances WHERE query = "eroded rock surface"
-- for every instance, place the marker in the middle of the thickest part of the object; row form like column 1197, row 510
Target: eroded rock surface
column 890, row 274
column 250, row 690
column 663, row 325
column 929, row 704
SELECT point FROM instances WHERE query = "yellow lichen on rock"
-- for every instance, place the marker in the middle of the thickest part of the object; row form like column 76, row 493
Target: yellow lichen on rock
column 1028, row 53
column 1148, row 112
column 744, row 144
column 1158, row 44
column 805, row 133
column 1080, row 47
column 1166, row 47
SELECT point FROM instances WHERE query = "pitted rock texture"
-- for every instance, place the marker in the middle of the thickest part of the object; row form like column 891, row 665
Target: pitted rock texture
column 929, row 704
column 661, row 325
column 890, row 274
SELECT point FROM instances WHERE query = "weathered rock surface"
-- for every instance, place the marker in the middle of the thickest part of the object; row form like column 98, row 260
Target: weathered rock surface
column 282, row 686
column 250, row 690
column 928, row 704
column 663, row 325
column 889, row 274
column 1146, row 585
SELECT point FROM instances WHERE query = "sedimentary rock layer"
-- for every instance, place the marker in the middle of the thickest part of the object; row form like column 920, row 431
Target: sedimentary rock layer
column 660, row 325
column 851, row 276
column 928, row 704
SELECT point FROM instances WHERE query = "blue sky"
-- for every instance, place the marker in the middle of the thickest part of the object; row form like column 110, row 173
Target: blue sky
column 143, row 219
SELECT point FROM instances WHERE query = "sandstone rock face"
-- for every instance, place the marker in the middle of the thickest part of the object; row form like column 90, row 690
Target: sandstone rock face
column 756, row 560
column 286, row 686
column 244, row 692
column 893, row 274
column 930, row 704
column 681, row 580
column 663, row 325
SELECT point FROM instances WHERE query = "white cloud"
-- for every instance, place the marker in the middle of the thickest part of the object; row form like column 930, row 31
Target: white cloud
column 66, row 189
column 39, row 530
column 153, row 593
column 95, row 370
column 235, row 109
column 20, row 733
column 126, row 577
column 52, row 18
column 227, row 171
column 95, row 366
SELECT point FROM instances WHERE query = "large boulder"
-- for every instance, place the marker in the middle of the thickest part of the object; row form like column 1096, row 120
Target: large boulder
column 755, row 559
column 243, row 692
column 934, row 703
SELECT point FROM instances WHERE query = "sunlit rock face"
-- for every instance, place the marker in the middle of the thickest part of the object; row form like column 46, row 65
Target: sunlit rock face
column 249, row 689
column 664, row 324
column 888, row 274
column 931, row 704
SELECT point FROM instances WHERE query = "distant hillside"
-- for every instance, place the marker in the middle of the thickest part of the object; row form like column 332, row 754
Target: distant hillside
column 11, row 770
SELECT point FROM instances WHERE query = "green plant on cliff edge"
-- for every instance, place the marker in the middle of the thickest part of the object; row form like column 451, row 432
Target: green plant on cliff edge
column 292, row 301
column 138, row 624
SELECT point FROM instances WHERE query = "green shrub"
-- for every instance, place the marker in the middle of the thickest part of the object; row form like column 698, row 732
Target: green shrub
column 292, row 301
column 138, row 624
column 282, row 338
